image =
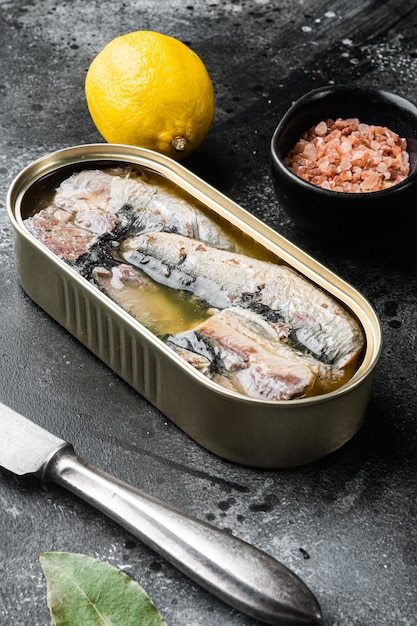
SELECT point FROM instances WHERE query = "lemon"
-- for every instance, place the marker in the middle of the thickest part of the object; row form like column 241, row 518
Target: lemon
column 150, row 90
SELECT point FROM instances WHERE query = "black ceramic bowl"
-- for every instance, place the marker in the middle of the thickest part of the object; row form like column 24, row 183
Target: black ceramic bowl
column 333, row 215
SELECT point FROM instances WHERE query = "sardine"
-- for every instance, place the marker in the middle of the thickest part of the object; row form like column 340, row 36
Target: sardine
column 140, row 205
column 230, row 353
column 108, row 190
column 76, row 217
column 299, row 311
column 254, row 326
column 92, row 211
column 55, row 229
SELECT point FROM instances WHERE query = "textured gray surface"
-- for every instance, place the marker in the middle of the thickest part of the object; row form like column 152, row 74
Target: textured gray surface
column 353, row 513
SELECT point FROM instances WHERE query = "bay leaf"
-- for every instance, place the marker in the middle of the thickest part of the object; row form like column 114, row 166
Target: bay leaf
column 87, row 591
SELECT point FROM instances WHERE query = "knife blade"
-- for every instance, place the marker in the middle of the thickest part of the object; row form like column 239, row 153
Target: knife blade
column 235, row 571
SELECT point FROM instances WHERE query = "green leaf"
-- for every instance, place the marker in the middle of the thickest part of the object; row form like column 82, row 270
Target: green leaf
column 83, row 590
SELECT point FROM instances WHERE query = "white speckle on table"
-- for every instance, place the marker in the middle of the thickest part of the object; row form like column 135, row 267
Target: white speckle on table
column 13, row 510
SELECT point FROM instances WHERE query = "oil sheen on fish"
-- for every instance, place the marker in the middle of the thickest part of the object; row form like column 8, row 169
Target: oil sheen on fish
column 300, row 312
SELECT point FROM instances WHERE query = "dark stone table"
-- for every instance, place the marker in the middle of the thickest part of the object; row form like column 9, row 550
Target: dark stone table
column 345, row 524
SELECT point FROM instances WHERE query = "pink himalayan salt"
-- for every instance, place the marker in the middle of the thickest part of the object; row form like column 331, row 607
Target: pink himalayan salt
column 350, row 156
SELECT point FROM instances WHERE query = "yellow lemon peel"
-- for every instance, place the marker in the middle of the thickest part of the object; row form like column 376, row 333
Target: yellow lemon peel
column 150, row 90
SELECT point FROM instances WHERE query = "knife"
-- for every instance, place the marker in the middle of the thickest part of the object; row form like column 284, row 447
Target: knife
column 241, row 575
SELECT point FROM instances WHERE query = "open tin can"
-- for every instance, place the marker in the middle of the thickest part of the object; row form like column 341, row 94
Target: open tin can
column 245, row 430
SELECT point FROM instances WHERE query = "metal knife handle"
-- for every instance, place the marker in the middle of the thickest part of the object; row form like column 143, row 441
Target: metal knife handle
column 233, row 570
